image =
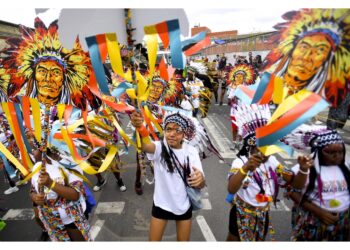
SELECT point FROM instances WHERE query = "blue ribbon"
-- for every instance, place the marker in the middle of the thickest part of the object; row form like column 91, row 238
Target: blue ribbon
column 122, row 87
column 20, row 124
column 195, row 39
column 96, row 62
column 177, row 57
column 272, row 138
column 7, row 166
column 265, row 79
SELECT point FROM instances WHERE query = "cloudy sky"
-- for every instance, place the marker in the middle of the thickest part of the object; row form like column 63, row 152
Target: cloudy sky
column 246, row 16
column 243, row 20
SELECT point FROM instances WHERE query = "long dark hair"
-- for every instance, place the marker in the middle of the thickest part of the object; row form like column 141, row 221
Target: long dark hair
column 166, row 158
column 313, row 174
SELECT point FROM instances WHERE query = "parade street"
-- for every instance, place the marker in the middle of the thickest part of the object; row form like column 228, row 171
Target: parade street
column 125, row 216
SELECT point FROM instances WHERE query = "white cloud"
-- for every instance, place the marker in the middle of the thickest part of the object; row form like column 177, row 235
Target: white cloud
column 26, row 16
column 243, row 20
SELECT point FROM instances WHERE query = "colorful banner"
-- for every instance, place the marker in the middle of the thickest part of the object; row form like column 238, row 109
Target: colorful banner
column 246, row 93
column 269, row 88
column 197, row 47
column 294, row 111
column 96, row 61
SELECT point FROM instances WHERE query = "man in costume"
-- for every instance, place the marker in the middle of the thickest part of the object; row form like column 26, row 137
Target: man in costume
column 240, row 74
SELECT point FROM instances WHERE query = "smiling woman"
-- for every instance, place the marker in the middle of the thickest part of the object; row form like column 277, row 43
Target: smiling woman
column 170, row 156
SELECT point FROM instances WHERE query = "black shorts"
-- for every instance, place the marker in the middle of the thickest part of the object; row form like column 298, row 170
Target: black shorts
column 232, row 226
column 162, row 214
column 71, row 226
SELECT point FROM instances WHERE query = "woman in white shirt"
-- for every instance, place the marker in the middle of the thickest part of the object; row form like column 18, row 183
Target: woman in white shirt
column 321, row 210
column 171, row 155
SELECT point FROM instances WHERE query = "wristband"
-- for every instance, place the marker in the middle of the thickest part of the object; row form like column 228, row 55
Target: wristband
column 143, row 131
column 303, row 172
column 242, row 171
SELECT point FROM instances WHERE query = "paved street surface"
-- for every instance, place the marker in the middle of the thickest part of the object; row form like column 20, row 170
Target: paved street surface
column 125, row 216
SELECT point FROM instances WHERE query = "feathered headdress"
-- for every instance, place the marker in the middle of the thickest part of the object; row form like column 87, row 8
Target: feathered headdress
column 246, row 70
column 198, row 67
column 334, row 24
column 249, row 118
column 173, row 90
column 4, row 82
column 40, row 45
column 311, row 137
column 184, row 122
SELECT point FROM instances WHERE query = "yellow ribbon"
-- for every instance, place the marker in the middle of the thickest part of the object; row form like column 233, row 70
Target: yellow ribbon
column 151, row 37
column 28, row 177
column 149, row 114
column 114, row 54
column 290, row 103
column 120, row 129
column 87, row 168
column 13, row 159
column 19, row 140
column 279, row 92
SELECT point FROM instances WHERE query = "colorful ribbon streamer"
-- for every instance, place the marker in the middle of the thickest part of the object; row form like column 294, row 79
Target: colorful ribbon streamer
column 269, row 88
column 294, row 111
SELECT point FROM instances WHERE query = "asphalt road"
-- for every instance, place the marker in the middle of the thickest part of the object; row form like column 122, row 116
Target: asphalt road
column 125, row 216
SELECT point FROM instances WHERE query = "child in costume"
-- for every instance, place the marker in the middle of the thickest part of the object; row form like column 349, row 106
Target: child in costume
column 321, row 210
column 254, row 180
column 173, row 160
column 62, row 205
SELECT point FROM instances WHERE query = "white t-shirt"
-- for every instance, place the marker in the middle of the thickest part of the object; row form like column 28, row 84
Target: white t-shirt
column 195, row 87
column 169, row 191
column 249, row 194
column 186, row 105
column 56, row 175
column 334, row 187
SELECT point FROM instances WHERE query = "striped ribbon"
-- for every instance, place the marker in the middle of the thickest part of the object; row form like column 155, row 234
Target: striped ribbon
column 294, row 111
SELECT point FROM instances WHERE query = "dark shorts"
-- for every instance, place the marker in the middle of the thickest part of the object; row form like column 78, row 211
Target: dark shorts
column 232, row 226
column 162, row 214
column 71, row 226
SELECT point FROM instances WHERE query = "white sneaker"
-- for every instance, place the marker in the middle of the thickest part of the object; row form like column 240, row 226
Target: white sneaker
column 11, row 190
column 122, row 188
column 99, row 185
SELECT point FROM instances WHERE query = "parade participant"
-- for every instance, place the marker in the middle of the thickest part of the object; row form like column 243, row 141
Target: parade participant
column 254, row 180
column 171, row 155
column 61, row 207
column 312, row 53
column 193, row 85
column 240, row 75
column 322, row 208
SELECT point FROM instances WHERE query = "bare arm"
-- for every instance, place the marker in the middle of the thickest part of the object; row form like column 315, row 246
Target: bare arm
column 235, row 181
column 68, row 193
column 196, row 179
column 305, row 163
column 146, row 144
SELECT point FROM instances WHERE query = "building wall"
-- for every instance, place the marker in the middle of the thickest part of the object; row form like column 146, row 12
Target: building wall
column 255, row 43
column 214, row 35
